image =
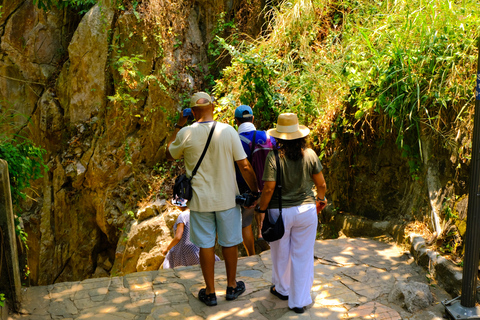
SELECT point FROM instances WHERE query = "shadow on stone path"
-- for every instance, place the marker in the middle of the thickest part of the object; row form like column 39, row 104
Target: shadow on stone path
column 354, row 279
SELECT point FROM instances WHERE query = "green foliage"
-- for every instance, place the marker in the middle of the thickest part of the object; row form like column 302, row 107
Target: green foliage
column 21, row 233
column 447, row 210
column 281, row 72
column 215, row 49
column 2, row 300
column 25, row 160
column 360, row 68
column 132, row 82
column 412, row 62
column 131, row 214
column 255, row 83
column 82, row 6
column 25, row 163
column 127, row 67
column 128, row 155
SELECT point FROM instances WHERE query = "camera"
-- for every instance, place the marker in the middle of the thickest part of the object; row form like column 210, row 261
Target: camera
column 188, row 113
column 246, row 199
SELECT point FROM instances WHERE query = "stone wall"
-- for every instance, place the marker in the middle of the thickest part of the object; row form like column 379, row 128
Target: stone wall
column 371, row 176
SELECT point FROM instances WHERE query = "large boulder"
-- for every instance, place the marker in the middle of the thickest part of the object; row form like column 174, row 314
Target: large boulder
column 145, row 241
column 414, row 296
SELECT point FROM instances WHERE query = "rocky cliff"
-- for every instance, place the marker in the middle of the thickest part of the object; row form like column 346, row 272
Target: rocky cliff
column 99, row 92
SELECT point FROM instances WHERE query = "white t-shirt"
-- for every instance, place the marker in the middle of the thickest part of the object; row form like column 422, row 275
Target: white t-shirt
column 214, row 184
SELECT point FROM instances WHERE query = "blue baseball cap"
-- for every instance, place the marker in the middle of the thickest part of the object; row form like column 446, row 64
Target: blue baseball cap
column 243, row 111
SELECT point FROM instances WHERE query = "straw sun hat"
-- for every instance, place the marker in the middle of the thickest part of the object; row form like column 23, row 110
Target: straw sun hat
column 288, row 128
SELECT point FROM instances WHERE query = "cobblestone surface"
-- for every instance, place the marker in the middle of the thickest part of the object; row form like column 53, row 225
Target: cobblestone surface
column 353, row 278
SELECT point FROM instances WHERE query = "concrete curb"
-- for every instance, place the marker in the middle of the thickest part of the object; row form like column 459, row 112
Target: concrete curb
column 445, row 272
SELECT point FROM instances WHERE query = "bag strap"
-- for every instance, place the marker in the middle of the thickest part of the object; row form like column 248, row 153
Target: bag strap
column 204, row 150
column 253, row 146
column 279, row 181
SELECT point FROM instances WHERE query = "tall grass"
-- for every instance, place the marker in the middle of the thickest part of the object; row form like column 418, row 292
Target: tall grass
column 410, row 64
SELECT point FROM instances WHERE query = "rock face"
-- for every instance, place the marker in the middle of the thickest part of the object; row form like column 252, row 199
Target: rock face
column 101, row 91
column 370, row 176
column 140, row 249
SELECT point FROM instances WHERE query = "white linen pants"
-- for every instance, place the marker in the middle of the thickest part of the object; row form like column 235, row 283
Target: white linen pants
column 292, row 256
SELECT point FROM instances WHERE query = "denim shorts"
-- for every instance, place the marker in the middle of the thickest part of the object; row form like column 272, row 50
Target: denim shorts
column 204, row 226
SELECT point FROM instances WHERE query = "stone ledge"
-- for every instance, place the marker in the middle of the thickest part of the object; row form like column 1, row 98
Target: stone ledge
column 356, row 226
column 445, row 272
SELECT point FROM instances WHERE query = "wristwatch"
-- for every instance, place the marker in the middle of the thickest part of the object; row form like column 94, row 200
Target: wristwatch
column 178, row 126
column 257, row 208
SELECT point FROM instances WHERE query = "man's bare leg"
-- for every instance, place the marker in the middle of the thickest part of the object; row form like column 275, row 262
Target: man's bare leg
column 230, row 254
column 207, row 263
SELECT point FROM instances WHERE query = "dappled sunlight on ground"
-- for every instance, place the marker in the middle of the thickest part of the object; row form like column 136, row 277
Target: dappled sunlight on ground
column 352, row 280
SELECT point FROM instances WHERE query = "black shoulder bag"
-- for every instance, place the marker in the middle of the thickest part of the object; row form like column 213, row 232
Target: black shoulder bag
column 274, row 231
column 183, row 185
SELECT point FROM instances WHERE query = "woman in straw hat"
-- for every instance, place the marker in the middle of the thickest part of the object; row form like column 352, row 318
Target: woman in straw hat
column 300, row 170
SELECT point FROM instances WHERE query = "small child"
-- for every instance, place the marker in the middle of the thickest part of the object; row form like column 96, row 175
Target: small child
column 180, row 251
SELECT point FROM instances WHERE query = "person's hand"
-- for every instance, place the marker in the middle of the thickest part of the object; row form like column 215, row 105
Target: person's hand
column 184, row 117
column 165, row 252
column 256, row 196
column 182, row 121
column 254, row 204
column 321, row 204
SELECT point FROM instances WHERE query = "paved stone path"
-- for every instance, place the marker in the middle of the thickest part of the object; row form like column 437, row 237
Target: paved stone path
column 353, row 279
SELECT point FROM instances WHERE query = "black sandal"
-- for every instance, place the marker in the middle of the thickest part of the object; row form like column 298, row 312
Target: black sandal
column 277, row 294
column 209, row 299
column 298, row 310
column 233, row 293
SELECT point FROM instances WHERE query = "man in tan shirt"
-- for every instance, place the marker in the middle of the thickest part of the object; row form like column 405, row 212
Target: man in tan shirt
column 213, row 210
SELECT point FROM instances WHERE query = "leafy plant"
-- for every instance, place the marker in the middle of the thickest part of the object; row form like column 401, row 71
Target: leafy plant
column 25, row 163
column 255, row 83
column 361, row 69
column 2, row 300
column 128, row 155
column 131, row 214
column 132, row 79
column 215, row 49
column 405, row 66
column 282, row 72
column 82, row 6
column 24, row 158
